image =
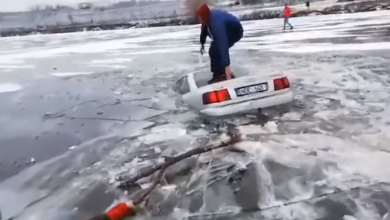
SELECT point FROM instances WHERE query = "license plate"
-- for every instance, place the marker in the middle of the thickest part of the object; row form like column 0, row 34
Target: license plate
column 247, row 90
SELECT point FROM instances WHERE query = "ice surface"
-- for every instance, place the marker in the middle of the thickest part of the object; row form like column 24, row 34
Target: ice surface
column 16, row 66
column 318, row 27
column 66, row 74
column 9, row 87
column 337, row 138
column 332, row 47
column 111, row 61
column 163, row 133
column 16, row 201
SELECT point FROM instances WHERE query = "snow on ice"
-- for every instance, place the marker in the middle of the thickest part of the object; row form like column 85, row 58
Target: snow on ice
column 66, row 74
column 9, row 87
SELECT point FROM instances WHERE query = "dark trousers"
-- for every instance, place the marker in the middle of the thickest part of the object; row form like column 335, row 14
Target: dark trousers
column 216, row 66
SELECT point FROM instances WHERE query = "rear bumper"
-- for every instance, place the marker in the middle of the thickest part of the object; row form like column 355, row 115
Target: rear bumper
column 250, row 105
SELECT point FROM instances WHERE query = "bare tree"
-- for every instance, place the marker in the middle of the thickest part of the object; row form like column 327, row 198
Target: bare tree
column 234, row 137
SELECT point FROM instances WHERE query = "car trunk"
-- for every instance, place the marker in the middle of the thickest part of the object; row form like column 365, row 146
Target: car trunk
column 260, row 87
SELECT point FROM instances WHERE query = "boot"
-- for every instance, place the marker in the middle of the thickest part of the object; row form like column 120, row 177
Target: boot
column 217, row 78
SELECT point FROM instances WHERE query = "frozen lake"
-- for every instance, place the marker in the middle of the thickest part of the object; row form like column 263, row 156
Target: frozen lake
column 77, row 109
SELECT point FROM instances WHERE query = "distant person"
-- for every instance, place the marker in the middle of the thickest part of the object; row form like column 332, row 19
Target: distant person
column 287, row 14
column 119, row 212
column 307, row 5
column 225, row 30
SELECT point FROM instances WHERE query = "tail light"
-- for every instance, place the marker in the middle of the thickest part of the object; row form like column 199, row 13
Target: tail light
column 281, row 83
column 216, row 96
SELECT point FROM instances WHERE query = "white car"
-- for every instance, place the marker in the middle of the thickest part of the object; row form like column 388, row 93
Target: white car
column 241, row 94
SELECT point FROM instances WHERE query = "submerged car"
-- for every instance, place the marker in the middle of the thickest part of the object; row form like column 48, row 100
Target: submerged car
column 243, row 93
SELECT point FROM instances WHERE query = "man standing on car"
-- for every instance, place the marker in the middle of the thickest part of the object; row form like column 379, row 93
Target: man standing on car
column 287, row 13
column 225, row 30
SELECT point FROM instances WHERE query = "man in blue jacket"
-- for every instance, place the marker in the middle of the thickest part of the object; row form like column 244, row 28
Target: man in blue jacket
column 225, row 29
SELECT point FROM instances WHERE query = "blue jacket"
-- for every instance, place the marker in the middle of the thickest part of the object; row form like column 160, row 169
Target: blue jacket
column 225, row 29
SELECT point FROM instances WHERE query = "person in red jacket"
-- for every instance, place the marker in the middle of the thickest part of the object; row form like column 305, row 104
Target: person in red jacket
column 287, row 13
column 119, row 212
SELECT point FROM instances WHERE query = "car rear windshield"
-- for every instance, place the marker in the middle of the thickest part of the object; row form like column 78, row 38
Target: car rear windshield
column 203, row 76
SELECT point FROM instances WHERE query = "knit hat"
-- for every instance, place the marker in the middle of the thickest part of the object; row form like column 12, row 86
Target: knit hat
column 203, row 12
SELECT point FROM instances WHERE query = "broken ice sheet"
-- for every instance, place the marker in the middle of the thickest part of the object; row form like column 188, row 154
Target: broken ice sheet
column 292, row 116
column 53, row 115
column 169, row 187
column 146, row 185
column 269, row 127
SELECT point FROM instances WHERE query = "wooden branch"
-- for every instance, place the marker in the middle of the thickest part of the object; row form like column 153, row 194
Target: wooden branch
column 234, row 138
column 151, row 188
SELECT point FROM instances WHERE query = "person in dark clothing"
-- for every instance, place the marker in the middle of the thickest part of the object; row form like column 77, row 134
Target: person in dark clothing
column 225, row 30
column 308, row 5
